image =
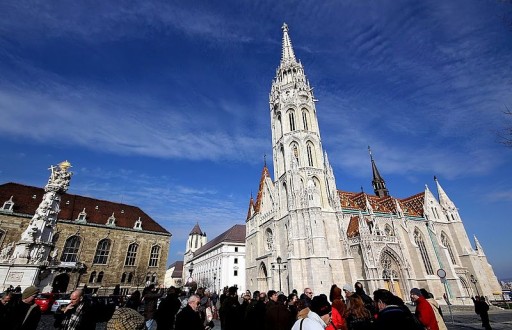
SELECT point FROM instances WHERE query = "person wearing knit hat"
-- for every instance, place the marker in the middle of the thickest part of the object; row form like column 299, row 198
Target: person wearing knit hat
column 26, row 314
column 424, row 311
column 126, row 319
column 30, row 291
column 348, row 289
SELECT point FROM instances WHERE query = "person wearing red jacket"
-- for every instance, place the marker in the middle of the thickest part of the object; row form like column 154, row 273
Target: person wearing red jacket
column 424, row 311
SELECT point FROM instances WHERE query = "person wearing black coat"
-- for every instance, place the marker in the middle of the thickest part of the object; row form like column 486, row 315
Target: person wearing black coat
column 188, row 318
column 167, row 309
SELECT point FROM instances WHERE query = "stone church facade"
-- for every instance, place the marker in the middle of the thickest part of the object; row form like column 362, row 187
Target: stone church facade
column 95, row 243
column 303, row 231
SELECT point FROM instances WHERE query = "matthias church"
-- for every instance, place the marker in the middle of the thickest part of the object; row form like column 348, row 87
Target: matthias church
column 302, row 231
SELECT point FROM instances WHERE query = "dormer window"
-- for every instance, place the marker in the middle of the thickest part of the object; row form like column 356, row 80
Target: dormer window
column 8, row 205
column 138, row 224
column 82, row 216
column 111, row 221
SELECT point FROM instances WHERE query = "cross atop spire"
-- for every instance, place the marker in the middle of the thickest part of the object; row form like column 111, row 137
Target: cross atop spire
column 287, row 53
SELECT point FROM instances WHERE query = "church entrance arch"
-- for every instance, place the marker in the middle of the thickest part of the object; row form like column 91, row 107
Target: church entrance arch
column 391, row 274
column 60, row 283
column 262, row 278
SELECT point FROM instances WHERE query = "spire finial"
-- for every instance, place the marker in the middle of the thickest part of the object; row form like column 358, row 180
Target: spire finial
column 370, row 152
column 287, row 53
column 265, row 160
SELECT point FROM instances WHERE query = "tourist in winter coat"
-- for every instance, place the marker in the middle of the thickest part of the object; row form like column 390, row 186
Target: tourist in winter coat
column 424, row 311
column 188, row 318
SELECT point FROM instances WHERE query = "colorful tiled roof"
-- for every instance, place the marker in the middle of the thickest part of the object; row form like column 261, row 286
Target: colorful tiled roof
column 255, row 205
column 27, row 198
column 412, row 206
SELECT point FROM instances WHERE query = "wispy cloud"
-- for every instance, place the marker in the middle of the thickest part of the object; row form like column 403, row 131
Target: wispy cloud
column 89, row 118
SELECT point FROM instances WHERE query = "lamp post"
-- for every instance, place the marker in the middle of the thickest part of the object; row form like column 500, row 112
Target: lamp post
column 279, row 260
column 214, row 279
column 474, row 281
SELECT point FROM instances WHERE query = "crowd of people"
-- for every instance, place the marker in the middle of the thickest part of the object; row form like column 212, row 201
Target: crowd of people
column 345, row 308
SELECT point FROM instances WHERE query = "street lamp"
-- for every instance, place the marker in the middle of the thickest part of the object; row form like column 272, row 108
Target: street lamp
column 474, row 281
column 279, row 260
column 214, row 279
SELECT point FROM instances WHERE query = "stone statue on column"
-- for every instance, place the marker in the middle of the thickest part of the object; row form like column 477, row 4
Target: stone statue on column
column 36, row 241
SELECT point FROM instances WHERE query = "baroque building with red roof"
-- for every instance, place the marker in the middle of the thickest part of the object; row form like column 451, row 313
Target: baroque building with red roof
column 80, row 241
column 303, row 231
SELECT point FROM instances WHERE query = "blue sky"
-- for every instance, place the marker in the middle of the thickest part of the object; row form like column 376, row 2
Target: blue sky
column 164, row 104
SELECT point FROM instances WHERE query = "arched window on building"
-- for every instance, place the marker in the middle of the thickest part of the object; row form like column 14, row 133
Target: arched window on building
column 291, row 117
column 388, row 230
column 70, row 251
column 130, row 278
column 418, row 238
column 305, row 119
column 154, row 256
column 269, row 239
column 102, row 252
column 309, row 150
column 465, row 286
column 100, row 277
column 92, row 277
column 131, row 254
column 446, row 242
column 295, row 150
column 123, row 277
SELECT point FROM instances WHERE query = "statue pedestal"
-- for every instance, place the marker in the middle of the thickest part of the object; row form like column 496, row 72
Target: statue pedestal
column 22, row 275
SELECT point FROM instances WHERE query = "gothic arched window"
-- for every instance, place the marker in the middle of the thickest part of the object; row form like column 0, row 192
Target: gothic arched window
column 70, row 251
column 418, row 238
column 291, row 117
column 295, row 150
column 154, row 256
column 446, row 242
column 309, row 150
column 305, row 120
column 130, row 278
column 123, row 277
column 102, row 252
column 389, row 231
column 131, row 254
column 100, row 277
column 269, row 239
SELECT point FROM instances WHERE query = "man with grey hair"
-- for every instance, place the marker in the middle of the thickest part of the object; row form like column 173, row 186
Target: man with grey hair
column 189, row 318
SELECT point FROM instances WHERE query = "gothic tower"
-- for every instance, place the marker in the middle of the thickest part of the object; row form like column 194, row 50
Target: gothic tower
column 293, row 215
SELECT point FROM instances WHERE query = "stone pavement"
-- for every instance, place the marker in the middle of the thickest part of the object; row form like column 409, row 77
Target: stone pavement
column 500, row 320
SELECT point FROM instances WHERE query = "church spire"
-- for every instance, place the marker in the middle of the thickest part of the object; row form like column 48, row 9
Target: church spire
column 378, row 183
column 287, row 54
column 444, row 200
